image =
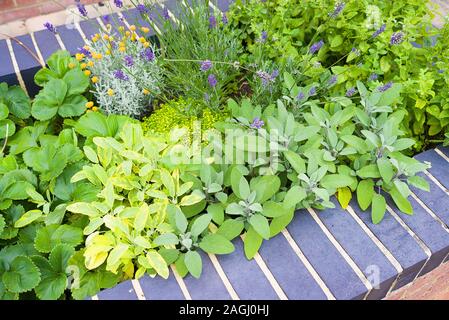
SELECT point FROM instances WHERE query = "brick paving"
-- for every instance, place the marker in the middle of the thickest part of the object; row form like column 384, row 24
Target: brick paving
column 432, row 286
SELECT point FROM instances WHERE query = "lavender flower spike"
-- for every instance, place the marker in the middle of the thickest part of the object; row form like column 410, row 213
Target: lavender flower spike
column 129, row 62
column 373, row 77
column 118, row 3
column 351, row 91
column 165, row 14
column 397, row 38
column 300, row 96
column 142, row 8
column 119, row 74
column 147, row 55
column 212, row 22
column 206, row 65
column 385, row 87
column 379, row 31
column 224, row 18
column 337, row 10
column 82, row 9
column 312, row 91
column 257, row 123
column 316, row 47
column 212, row 80
column 50, row 27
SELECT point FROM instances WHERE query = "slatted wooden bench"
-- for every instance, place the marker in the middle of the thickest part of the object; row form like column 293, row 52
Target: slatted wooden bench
column 332, row 254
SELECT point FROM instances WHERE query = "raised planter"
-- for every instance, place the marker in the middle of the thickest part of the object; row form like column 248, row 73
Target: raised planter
column 332, row 254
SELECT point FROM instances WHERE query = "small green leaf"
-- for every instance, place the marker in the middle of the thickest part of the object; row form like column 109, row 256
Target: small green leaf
column 22, row 275
column 27, row 218
column 193, row 262
column 403, row 204
column 260, row 225
column 385, row 169
column 217, row 244
column 231, row 228
column 60, row 256
column 158, row 263
column 166, row 239
column 217, row 212
column 252, row 243
column 378, row 208
column 365, row 193
column 419, row 182
column 200, row 224
column 344, row 195
column 90, row 154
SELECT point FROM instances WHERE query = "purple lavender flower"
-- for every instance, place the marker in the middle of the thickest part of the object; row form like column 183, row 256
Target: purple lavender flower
column 212, row 80
column 257, row 123
column 206, row 97
column 397, row 38
column 355, row 51
column 265, row 77
column 50, row 27
column 224, row 18
column 106, row 19
column 332, row 81
column 316, row 47
column 147, row 54
column 142, row 9
column 165, row 14
column 119, row 74
column 373, row 77
column 206, row 65
column 263, row 36
column 81, row 8
column 212, row 22
column 385, row 87
column 351, row 91
column 337, row 10
column 312, row 91
column 300, row 96
column 118, row 3
column 129, row 62
column 379, row 31
column 274, row 74
column 85, row 52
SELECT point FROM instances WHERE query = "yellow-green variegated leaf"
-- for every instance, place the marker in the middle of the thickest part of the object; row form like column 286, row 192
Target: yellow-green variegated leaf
column 158, row 263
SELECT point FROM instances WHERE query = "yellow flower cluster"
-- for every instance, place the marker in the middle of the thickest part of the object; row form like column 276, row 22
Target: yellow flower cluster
column 90, row 106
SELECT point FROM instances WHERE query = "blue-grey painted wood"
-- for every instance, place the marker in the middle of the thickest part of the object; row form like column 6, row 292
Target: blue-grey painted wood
column 122, row 291
column 241, row 272
column 404, row 248
column 71, row 38
column 47, row 43
column 440, row 167
column 7, row 72
column 27, row 64
column 445, row 150
column 436, row 200
column 342, row 281
column 158, row 288
column 209, row 286
column 428, row 230
column 90, row 27
column 361, row 249
column 291, row 274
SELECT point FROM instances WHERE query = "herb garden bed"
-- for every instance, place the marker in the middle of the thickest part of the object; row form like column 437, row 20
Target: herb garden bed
column 333, row 253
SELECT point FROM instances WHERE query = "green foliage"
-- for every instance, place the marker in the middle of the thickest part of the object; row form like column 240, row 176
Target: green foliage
column 62, row 88
column 295, row 25
column 185, row 45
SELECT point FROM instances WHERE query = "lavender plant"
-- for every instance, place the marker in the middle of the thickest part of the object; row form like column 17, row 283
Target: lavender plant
column 199, row 53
